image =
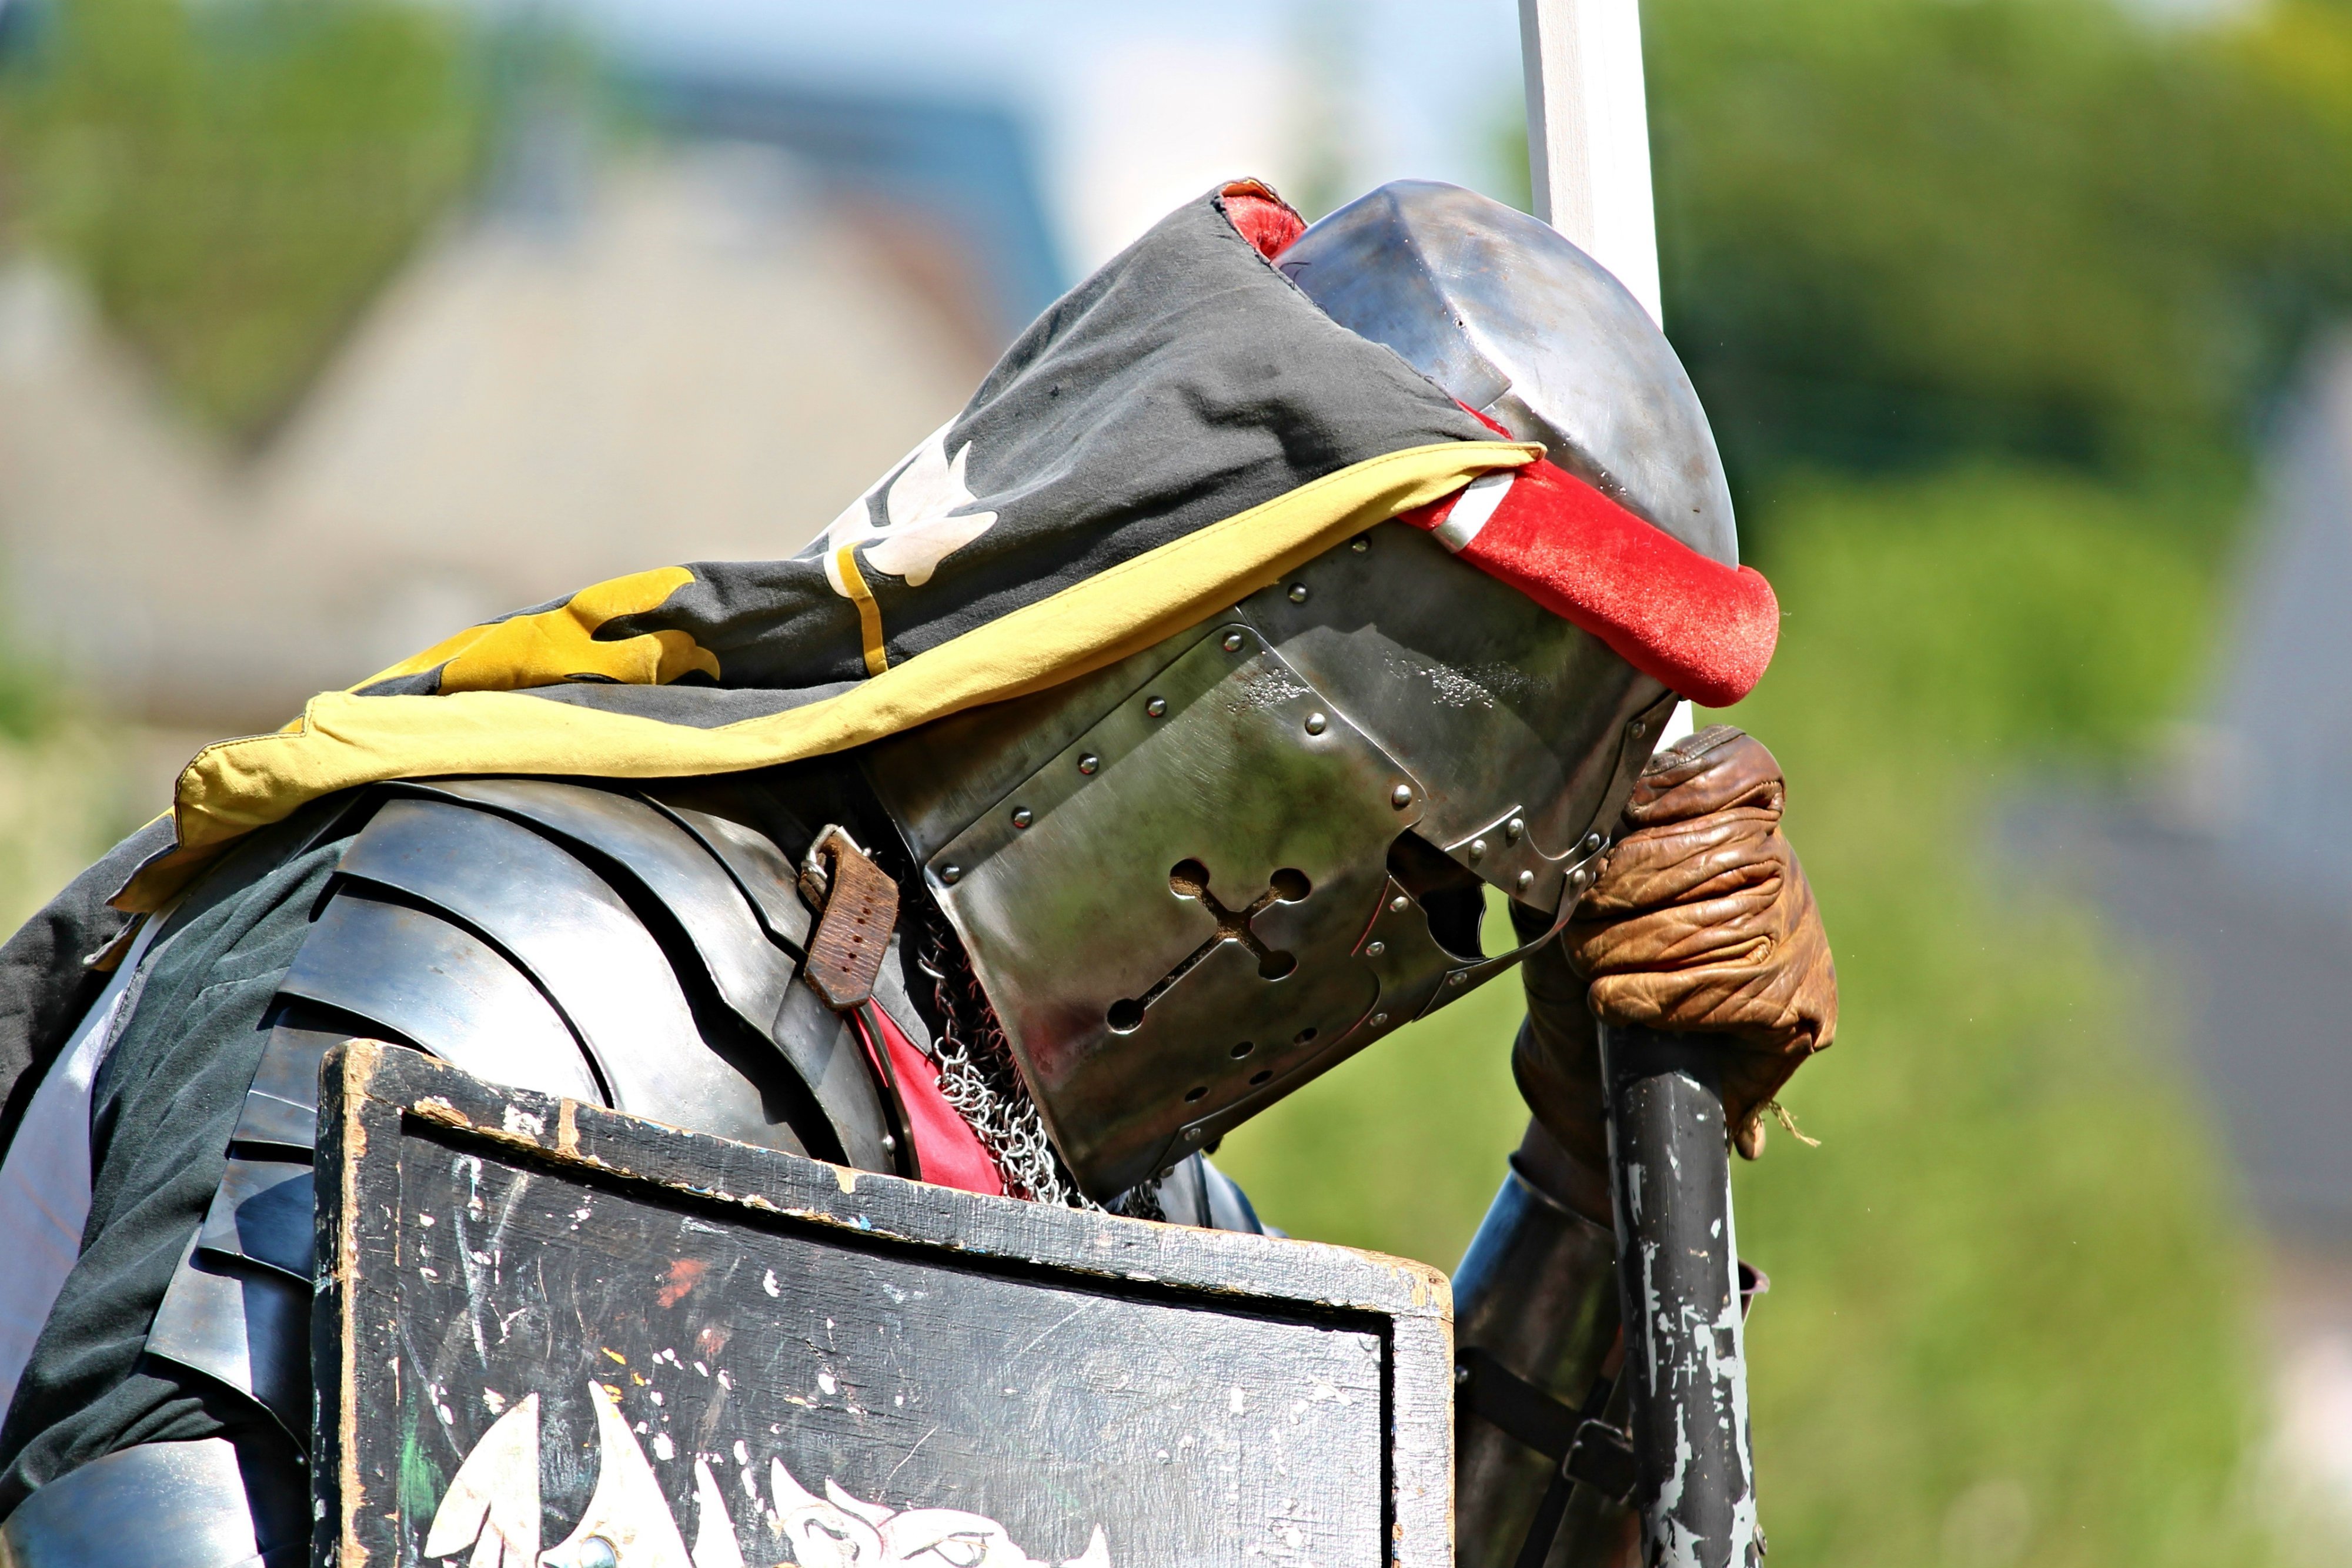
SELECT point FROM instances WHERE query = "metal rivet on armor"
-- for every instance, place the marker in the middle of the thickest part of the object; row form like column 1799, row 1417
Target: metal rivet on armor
column 1316, row 724
column 1232, row 642
column 1089, row 762
column 1513, row 828
column 1374, row 949
column 951, row 873
column 597, row 1552
column 1155, row 707
column 1399, row 904
column 889, row 1145
column 1462, row 1376
column 1191, row 1135
column 1379, row 1020
column 1477, row 848
column 1298, row 594
column 1526, row 880
column 1639, row 729
column 1455, row 978
column 1591, row 842
column 1022, row 816
column 1401, row 797
column 1360, row 543
column 1577, row 878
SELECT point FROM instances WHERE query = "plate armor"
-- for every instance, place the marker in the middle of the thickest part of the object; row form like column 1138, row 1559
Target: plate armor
column 640, row 949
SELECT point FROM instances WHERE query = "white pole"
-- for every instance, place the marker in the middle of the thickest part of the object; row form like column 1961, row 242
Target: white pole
column 1589, row 133
column 1588, row 151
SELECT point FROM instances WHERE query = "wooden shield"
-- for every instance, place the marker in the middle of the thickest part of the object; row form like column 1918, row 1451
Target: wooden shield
column 549, row 1334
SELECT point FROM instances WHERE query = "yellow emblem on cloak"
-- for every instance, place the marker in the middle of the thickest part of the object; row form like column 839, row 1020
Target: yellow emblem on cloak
column 561, row 645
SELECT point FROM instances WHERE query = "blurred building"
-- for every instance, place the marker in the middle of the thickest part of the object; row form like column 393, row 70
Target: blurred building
column 699, row 348
column 2233, row 866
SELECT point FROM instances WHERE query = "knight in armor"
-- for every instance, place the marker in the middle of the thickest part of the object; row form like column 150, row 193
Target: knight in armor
column 1158, row 734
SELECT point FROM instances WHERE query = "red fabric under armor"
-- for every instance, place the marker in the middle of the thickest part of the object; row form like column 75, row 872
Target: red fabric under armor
column 949, row 1151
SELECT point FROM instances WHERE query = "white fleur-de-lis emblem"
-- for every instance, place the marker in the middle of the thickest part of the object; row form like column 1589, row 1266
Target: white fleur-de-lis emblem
column 926, row 498
column 490, row 1514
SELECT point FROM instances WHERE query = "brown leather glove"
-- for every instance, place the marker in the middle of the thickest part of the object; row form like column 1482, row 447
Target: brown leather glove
column 1701, row 922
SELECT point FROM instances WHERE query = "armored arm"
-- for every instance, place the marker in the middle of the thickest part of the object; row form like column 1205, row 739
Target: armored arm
column 1535, row 1321
column 1701, row 922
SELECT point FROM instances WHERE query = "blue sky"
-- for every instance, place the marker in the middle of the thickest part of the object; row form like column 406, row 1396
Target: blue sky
column 1135, row 107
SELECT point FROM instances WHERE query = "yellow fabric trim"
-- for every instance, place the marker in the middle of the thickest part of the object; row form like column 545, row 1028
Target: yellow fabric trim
column 556, row 645
column 235, row 786
column 869, row 614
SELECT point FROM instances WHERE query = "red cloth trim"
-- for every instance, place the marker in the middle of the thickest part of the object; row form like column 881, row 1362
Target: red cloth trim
column 949, row 1151
column 1487, row 420
column 1260, row 217
column 1705, row 629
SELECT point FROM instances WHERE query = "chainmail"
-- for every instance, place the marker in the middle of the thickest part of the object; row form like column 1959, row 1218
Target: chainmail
column 978, row 1077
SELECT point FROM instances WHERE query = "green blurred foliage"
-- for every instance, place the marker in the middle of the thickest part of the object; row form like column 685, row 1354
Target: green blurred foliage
column 2008, row 1322
column 235, row 180
column 2011, row 1320
column 1984, row 616
column 63, row 783
column 1897, row 233
column 64, row 798
column 29, row 701
column 1399, row 1150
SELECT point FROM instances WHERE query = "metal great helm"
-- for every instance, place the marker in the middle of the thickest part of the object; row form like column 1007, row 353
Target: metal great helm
column 1193, row 881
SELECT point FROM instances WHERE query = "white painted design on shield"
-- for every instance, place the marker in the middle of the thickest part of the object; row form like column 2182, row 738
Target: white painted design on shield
column 1473, row 509
column 492, row 1510
column 714, row 1530
column 838, row 1531
column 628, row 1523
column 927, row 495
column 492, row 1503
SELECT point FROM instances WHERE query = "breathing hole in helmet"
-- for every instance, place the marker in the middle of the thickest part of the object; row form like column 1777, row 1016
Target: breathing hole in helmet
column 1260, row 1076
column 1244, row 1049
column 1454, row 898
column 1195, row 1095
column 1498, row 937
column 1303, row 1036
column 1290, row 885
column 1125, row 1016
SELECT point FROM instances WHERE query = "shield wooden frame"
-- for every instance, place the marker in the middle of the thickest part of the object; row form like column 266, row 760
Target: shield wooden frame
column 1316, row 1379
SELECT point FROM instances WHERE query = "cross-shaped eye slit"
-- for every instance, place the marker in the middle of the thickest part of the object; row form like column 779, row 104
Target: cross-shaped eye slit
column 1189, row 879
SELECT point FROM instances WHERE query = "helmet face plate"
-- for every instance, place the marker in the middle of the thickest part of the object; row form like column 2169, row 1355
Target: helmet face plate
column 1214, row 876
column 1193, row 880
column 1507, row 713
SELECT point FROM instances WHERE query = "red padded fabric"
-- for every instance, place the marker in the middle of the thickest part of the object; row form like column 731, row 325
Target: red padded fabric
column 1262, row 218
column 951, row 1153
column 1705, row 629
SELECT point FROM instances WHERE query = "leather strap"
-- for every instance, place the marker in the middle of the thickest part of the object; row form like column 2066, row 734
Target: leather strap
column 857, row 907
column 1587, row 1449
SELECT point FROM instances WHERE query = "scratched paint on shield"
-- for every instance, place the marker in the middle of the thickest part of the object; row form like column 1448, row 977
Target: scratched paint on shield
column 642, row 1385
